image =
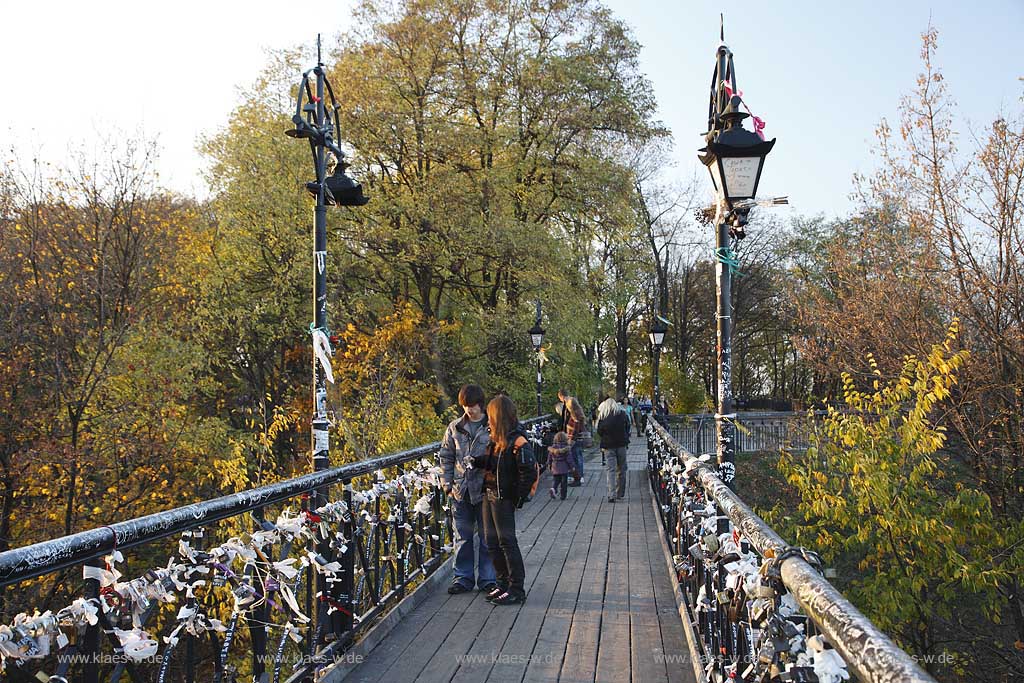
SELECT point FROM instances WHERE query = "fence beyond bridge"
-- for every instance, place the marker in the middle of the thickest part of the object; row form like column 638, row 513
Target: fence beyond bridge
column 755, row 431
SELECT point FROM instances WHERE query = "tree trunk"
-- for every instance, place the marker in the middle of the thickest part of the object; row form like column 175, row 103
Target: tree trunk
column 621, row 352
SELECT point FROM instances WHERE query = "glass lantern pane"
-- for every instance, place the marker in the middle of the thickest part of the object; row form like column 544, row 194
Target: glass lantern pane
column 537, row 339
column 716, row 176
column 740, row 176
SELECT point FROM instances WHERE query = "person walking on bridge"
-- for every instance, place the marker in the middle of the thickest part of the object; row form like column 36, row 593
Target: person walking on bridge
column 467, row 437
column 559, row 453
column 509, row 473
column 573, row 424
column 613, row 428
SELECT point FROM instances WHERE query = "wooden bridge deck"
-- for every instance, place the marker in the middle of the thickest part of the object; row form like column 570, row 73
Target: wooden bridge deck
column 600, row 605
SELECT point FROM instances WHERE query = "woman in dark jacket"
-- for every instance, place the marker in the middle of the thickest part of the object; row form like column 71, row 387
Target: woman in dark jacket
column 509, row 473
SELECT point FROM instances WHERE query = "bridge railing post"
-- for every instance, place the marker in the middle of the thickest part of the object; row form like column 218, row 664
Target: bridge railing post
column 400, row 552
column 344, row 592
column 90, row 648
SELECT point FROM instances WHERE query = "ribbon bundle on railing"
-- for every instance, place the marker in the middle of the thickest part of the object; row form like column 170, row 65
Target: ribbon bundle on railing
column 739, row 597
column 246, row 563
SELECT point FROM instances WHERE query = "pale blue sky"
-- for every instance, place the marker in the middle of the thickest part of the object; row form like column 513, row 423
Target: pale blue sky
column 821, row 74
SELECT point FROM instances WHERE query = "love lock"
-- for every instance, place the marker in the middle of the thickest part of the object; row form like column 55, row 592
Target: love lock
column 711, row 543
column 696, row 552
column 734, row 612
column 764, row 589
column 798, row 674
column 772, row 570
column 683, row 568
column 759, row 611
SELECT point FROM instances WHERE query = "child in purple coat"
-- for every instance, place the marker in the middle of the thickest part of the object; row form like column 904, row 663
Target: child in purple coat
column 559, row 457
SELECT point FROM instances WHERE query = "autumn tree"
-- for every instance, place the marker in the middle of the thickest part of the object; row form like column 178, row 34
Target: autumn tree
column 101, row 372
column 483, row 129
column 938, row 237
column 932, row 555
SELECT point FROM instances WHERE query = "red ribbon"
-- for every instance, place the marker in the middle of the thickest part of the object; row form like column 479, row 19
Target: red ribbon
column 758, row 121
column 335, row 604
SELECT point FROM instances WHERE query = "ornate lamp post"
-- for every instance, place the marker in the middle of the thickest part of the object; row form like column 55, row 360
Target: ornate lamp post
column 734, row 157
column 318, row 124
column 536, row 340
column 314, row 122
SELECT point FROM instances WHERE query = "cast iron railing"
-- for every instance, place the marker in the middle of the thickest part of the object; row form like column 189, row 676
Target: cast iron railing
column 389, row 526
column 758, row 609
column 755, row 431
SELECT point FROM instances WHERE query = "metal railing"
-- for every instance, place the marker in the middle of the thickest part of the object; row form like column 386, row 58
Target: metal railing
column 755, row 431
column 757, row 606
column 304, row 583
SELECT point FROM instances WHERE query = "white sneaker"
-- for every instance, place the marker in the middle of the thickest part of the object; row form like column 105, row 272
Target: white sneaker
column 582, row 481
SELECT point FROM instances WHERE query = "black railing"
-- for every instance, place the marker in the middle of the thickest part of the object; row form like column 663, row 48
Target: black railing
column 758, row 609
column 755, row 431
column 390, row 528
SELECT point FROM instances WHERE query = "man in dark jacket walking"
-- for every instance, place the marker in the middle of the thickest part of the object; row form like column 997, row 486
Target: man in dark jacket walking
column 466, row 438
column 613, row 428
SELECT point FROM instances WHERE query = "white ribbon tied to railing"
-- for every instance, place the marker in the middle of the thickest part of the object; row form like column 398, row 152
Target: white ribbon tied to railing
column 37, row 636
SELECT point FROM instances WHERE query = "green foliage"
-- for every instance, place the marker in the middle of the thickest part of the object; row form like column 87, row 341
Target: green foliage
column 877, row 486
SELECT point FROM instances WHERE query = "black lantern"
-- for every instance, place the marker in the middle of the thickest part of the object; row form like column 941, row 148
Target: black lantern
column 734, row 156
column 340, row 190
column 536, row 335
column 658, row 330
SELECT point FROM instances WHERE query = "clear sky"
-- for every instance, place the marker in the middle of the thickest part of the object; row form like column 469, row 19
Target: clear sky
column 821, row 74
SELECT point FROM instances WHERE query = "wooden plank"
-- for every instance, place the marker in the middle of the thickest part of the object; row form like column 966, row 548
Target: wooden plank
column 398, row 641
column 613, row 657
column 379, row 631
column 549, row 650
column 435, row 612
column 489, row 651
column 522, row 642
column 647, row 651
column 580, row 661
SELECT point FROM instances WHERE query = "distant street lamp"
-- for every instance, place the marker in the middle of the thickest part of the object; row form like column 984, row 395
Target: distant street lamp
column 315, row 123
column 537, row 339
column 734, row 157
column 657, row 335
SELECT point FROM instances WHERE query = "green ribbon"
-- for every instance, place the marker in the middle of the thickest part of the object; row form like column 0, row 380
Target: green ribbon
column 313, row 328
column 729, row 258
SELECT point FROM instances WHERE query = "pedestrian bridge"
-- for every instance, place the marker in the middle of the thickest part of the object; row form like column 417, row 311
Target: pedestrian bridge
column 342, row 575
column 600, row 605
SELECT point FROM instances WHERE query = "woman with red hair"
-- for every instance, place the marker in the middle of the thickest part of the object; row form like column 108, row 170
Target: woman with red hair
column 509, row 472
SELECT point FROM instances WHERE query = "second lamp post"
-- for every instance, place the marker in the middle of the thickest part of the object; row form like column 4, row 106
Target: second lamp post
column 537, row 339
column 657, row 335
